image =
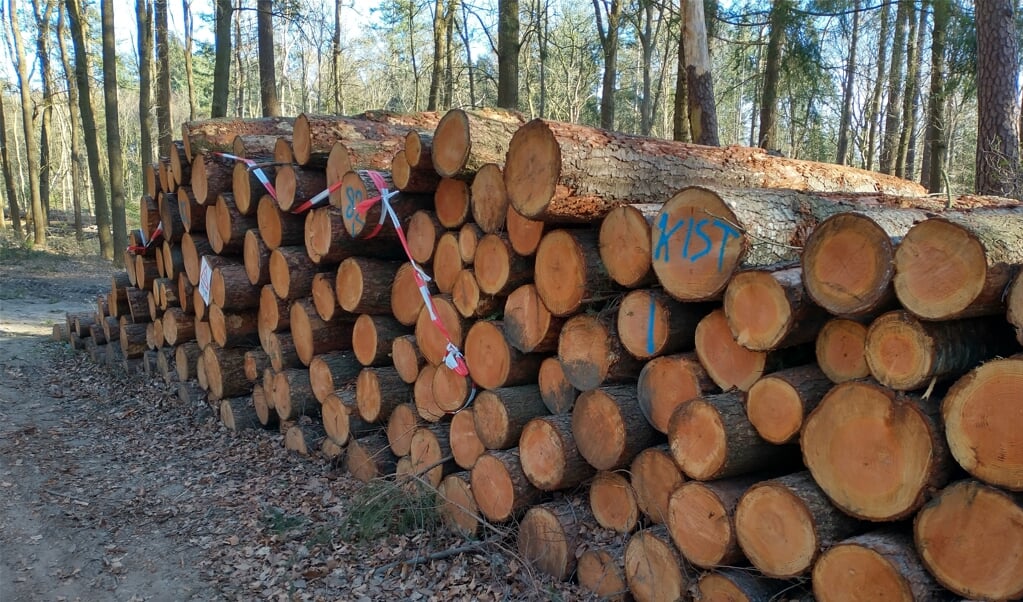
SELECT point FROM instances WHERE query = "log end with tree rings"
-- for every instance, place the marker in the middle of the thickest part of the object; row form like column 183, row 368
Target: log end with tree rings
column 982, row 422
column 407, row 358
column 354, row 191
column 432, row 342
column 488, row 354
column 841, row 350
column 500, row 487
column 696, row 246
column 940, row 269
column 848, row 264
column 302, row 139
column 447, row 262
column 702, row 524
column 625, row 245
column 900, row 351
column 458, row 509
column 549, row 456
column 667, row 382
column 370, row 458
column 451, row 390
column 970, row 537
column 401, row 171
column 282, row 151
column 469, row 236
column 532, row 169
column 608, row 428
column 348, row 284
column 402, row 422
column 422, row 393
column 613, row 502
column 421, row 233
column 775, row 409
column 406, row 301
column 285, row 183
column 523, row 233
column 875, row 566
column 489, row 198
column 561, row 273
column 544, row 543
column 729, row 364
column 466, row 446
column 875, row 454
column 415, row 147
column 654, row 477
column 256, row 258
column 336, row 419
column 493, row 263
column 452, row 202
column 600, row 572
column 430, row 453
column 527, row 321
column 339, row 163
column 697, row 438
column 653, row 568
column 738, row 585
column 557, row 393
column 583, row 349
column 758, row 310
column 451, row 143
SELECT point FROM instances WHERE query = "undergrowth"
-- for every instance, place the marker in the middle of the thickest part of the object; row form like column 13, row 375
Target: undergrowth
column 385, row 507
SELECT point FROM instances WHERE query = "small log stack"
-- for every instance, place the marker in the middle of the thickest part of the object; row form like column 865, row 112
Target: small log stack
column 743, row 358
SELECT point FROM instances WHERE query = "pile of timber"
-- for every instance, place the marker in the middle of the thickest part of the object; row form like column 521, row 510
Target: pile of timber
column 692, row 370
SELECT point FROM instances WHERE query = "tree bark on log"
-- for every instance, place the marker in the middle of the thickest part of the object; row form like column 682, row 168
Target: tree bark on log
column 315, row 135
column 501, row 414
column 1014, row 306
column 331, row 371
column 186, row 355
column 458, row 508
column 465, row 141
column 191, row 211
column 592, row 354
column 769, row 309
column 422, row 393
column 326, row 241
column 372, row 337
column 569, row 273
column 256, row 258
column 550, row 533
column 296, row 185
column 651, row 323
column 668, row 381
column 906, row 353
column 256, row 361
column 252, row 146
column 193, row 248
column 210, row 135
column 305, row 439
column 556, row 392
column 211, row 177
column 363, row 285
column 466, row 446
column 291, row 272
column 409, row 179
column 170, row 217
column 274, row 313
column 313, row 336
column 980, row 414
column 613, row 502
column 654, row 477
column 231, row 225
column 356, row 187
column 711, row 438
column 701, row 520
column 489, row 198
column 739, row 585
column 493, row 362
column 500, row 487
column 600, row 569
column 238, row 414
column 231, row 289
column 549, row 454
column 654, row 569
column 881, row 565
column 783, row 524
column 625, row 247
column 564, row 172
column 969, row 538
column 341, row 420
column 959, row 265
column 778, row 404
column 369, row 458
column 133, row 339
column 279, row 228
column 892, row 453
column 499, row 270
column 841, row 350
column 247, row 188
column 609, row 428
column 406, row 358
column 378, row 391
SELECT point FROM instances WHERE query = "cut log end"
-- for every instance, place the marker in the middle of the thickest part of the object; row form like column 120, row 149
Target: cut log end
column 940, row 269
column 653, row 568
column 451, row 143
column 841, row 350
column 899, row 351
column 625, row 246
column 757, row 309
column 702, row 525
column 727, row 362
column 768, row 514
column 848, row 264
column 532, row 169
column 458, row 507
column 489, row 198
column 871, row 567
column 561, row 273
column 699, row 442
column 613, row 502
column 775, row 410
column 667, row 382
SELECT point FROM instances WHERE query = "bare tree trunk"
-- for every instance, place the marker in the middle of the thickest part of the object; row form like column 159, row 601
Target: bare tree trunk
column 113, row 123
column 5, row 163
column 873, row 115
column 680, row 121
column 163, row 89
column 28, row 123
column 913, row 114
column 186, row 11
column 77, row 166
column 335, row 60
column 998, row 164
column 46, row 130
column 935, row 145
column 222, row 59
column 703, row 117
column 647, row 34
column 772, row 75
column 267, row 68
column 892, row 113
column 144, row 23
column 609, row 47
column 436, row 73
column 508, row 54
column 463, row 32
column 449, row 55
column 239, row 71
column 89, row 128
column 910, row 93
column 842, row 154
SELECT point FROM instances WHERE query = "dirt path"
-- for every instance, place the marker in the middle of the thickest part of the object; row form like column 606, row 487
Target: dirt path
column 112, row 488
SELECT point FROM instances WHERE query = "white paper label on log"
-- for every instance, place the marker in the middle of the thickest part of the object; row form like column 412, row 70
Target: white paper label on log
column 205, row 276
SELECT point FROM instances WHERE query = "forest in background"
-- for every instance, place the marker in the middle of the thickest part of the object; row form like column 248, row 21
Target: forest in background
column 900, row 86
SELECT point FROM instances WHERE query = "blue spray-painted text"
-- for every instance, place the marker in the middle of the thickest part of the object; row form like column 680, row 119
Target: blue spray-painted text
column 702, row 247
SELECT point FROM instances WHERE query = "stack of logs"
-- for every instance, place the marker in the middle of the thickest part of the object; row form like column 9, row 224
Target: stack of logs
column 682, row 358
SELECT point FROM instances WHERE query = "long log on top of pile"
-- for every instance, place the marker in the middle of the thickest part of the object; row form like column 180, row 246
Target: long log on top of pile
column 562, row 172
column 314, row 135
column 211, row 135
